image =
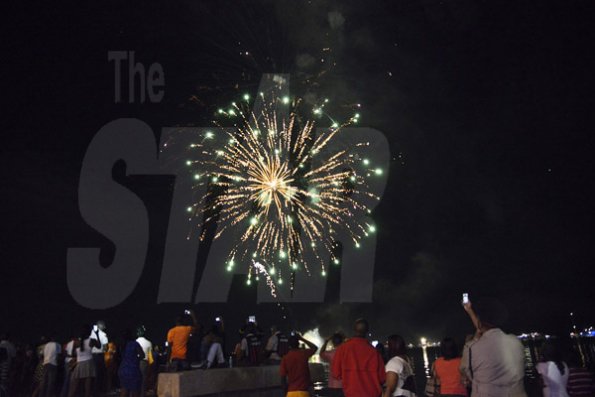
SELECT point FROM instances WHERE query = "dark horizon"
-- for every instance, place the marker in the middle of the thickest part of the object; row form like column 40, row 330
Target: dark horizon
column 487, row 109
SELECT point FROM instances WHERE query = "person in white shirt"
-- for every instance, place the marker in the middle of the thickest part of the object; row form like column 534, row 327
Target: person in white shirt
column 277, row 346
column 554, row 372
column 51, row 351
column 273, row 345
column 98, row 333
column 147, row 347
column 399, row 374
column 496, row 361
column 85, row 365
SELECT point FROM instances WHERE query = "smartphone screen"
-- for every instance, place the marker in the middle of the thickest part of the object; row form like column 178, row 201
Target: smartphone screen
column 374, row 343
column 465, row 298
column 252, row 319
column 217, row 319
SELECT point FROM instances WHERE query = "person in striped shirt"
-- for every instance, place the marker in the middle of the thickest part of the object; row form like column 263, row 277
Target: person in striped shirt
column 581, row 382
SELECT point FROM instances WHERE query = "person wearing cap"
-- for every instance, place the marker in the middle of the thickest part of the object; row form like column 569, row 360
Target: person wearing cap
column 495, row 361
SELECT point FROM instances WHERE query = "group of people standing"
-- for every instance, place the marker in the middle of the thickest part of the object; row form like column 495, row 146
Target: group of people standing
column 491, row 364
column 89, row 363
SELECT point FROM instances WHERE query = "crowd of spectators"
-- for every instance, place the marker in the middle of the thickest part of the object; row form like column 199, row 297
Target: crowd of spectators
column 90, row 363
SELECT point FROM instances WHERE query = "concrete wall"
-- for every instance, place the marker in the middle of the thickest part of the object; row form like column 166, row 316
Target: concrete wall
column 263, row 381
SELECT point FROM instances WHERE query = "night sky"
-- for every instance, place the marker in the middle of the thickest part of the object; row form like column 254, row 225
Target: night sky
column 487, row 107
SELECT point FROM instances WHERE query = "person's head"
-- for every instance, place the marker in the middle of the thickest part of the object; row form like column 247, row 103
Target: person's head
column 101, row 325
column 449, row 349
column 396, row 346
column 294, row 342
column 84, row 331
column 361, row 328
column 140, row 331
column 274, row 329
column 187, row 318
column 180, row 320
column 250, row 328
column 551, row 352
column 215, row 330
column 337, row 339
column 127, row 335
column 574, row 359
column 491, row 313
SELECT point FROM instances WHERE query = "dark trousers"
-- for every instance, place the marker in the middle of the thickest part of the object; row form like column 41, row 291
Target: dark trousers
column 333, row 392
column 48, row 382
column 179, row 365
column 144, row 367
column 66, row 383
column 100, row 372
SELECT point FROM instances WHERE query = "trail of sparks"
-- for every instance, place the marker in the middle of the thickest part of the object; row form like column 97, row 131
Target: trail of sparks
column 281, row 188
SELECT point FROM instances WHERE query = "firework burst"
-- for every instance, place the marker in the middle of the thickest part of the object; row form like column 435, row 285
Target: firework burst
column 280, row 187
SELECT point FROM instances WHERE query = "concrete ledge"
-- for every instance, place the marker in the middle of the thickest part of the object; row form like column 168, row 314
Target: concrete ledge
column 227, row 381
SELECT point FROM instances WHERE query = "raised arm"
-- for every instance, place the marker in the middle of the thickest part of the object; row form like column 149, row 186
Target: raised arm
column 325, row 344
column 308, row 343
column 193, row 316
column 472, row 315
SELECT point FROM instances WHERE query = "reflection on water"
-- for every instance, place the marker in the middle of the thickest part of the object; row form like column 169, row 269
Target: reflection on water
column 319, row 385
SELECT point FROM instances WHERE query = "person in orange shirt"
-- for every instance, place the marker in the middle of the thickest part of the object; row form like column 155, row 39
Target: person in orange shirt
column 111, row 365
column 177, row 339
column 446, row 370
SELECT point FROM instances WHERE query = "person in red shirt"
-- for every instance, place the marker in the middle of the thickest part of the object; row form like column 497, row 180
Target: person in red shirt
column 358, row 365
column 294, row 370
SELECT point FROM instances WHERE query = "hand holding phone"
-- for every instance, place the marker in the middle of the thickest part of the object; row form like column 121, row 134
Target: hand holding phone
column 465, row 298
